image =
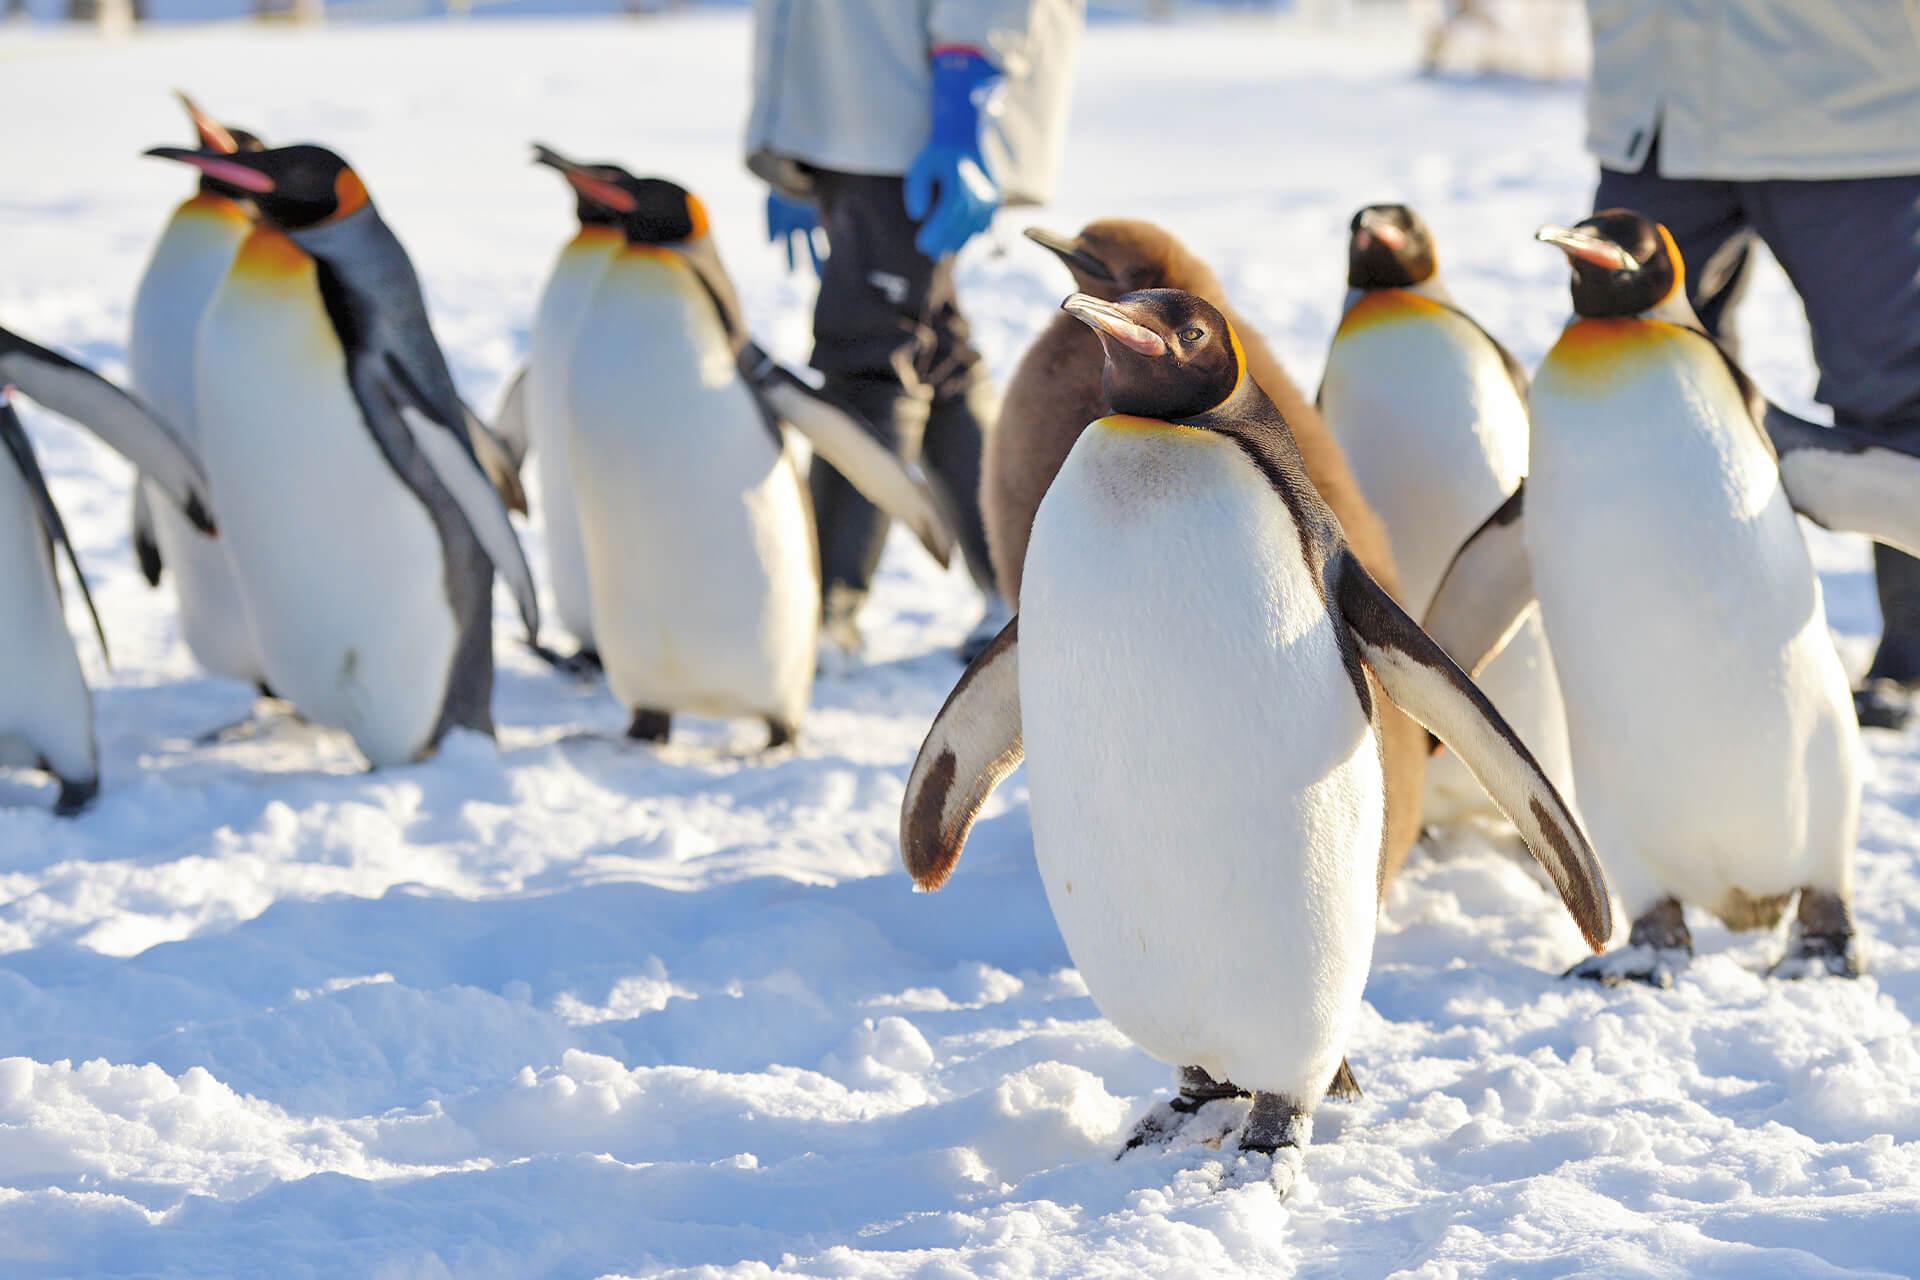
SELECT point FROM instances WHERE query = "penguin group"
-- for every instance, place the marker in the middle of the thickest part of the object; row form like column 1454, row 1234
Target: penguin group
column 1262, row 643
column 1204, row 654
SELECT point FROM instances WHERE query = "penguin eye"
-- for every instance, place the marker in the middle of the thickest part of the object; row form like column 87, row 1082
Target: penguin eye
column 1193, row 334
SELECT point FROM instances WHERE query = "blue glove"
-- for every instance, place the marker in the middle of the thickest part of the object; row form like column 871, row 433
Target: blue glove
column 951, row 159
column 792, row 220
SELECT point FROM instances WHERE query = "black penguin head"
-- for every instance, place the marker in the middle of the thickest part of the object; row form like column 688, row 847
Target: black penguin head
column 592, row 212
column 646, row 210
column 222, row 139
column 1624, row 264
column 1391, row 248
column 1170, row 355
column 293, row 187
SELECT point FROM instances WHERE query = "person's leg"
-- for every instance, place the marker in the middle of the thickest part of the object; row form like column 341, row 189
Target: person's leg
column 1708, row 224
column 870, row 334
column 1852, row 249
column 963, row 410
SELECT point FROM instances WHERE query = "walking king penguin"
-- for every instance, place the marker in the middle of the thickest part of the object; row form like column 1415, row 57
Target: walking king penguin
column 363, row 528
column 700, row 555
column 1713, row 734
column 188, row 264
column 46, row 713
column 1194, row 680
column 542, row 392
column 1432, row 414
column 1056, row 392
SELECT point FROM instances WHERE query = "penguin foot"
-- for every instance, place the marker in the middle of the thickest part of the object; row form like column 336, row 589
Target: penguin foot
column 1883, row 704
column 75, row 796
column 582, row 664
column 780, row 732
column 649, row 725
column 1167, row 1120
column 1655, row 966
column 1823, row 940
column 1273, row 1145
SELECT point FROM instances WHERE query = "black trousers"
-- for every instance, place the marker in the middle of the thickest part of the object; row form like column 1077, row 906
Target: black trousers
column 890, row 339
column 1851, row 247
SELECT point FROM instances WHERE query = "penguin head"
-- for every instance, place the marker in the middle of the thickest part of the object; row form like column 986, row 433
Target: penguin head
column 1624, row 264
column 1116, row 256
column 590, row 204
column 221, row 138
column 1170, row 355
column 1391, row 247
column 293, row 187
column 646, row 210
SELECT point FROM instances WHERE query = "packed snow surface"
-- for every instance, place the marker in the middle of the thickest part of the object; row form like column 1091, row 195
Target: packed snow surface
column 573, row 1007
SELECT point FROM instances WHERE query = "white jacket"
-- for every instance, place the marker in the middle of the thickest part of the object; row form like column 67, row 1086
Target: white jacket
column 1755, row 89
column 844, row 85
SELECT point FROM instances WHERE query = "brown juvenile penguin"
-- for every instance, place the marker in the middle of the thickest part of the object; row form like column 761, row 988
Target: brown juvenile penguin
column 1055, row 393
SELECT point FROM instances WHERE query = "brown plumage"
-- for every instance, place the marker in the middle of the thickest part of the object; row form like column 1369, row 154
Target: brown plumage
column 1055, row 393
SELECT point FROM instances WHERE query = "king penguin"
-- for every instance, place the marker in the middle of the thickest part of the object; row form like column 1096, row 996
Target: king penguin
column 1431, row 412
column 700, row 553
column 1055, row 392
column 542, row 393
column 365, row 532
column 1713, row 733
column 1194, row 680
column 188, row 264
column 46, row 712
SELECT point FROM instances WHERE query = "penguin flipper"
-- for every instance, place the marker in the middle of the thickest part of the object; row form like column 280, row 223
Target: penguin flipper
column 510, row 421
column 447, row 450
column 974, row 742
column 1847, row 481
column 14, row 437
column 146, row 547
column 838, row 436
column 1487, row 589
column 130, row 428
column 503, row 472
column 1417, row 674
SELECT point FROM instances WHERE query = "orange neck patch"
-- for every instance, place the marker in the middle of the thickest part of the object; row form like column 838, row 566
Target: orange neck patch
column 208, row 204
column 349, row 194
column 1132, row 422
column 595, row 236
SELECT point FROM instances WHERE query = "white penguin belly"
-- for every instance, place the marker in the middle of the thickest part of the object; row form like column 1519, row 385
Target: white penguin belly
column 1436, row 434
column 563, row 306
column 340, row 562
column 188, row 264
column 1207, row 795
column 699, row 551
column 1713, row 734
column 45, row 710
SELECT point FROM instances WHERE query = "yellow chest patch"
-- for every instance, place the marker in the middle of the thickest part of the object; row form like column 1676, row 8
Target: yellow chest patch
column 1129, row 424
column 267, row 256
column 1595, row 351
column 1379, row 307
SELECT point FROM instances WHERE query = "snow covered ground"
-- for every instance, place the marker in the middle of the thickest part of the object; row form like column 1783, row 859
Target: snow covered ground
column 572, row 1007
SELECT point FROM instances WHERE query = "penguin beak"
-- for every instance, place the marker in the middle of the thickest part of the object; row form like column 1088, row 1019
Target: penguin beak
column 597, row 189
column 1587, row 247
column 1374, row 226
column 214, row 136
column 230, row 171
column 1070, row 252
column 1109, row 320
